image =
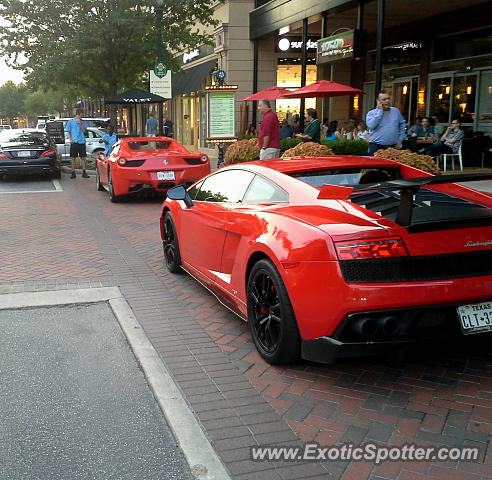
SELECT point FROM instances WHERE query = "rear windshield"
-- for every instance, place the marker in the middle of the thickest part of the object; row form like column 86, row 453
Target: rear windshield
column 348, row 176
column 149, row 145
column 11, row 136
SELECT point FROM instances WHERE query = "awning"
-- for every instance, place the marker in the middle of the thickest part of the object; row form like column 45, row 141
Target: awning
column 135, row 95
column 191, row 79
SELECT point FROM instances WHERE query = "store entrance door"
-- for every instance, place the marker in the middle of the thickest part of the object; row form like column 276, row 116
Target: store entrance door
column 189, row 131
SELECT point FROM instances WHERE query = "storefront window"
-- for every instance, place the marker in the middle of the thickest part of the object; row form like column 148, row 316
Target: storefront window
column 440, row 94
column 485, row 105
column 464, row 93
column 289, row 76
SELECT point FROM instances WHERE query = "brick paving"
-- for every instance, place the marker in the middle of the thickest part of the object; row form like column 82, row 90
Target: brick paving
column 439, row 396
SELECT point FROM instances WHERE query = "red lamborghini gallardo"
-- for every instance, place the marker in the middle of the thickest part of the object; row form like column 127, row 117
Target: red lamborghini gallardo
column 337, row 256
column 137, row 163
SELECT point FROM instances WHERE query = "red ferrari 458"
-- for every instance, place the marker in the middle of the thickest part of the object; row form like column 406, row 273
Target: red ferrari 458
column 336, row 256
column 137, row 163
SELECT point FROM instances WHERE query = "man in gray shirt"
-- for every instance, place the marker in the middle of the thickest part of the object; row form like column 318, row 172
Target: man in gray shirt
column 450, row 141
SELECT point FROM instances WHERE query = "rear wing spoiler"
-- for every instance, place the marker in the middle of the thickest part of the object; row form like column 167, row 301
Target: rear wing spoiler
column 407, row 187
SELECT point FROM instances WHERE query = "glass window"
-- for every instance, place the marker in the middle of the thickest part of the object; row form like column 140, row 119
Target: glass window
column 464, row 91
column 440, row 95
column 192, row 191
column 348, row 176
column 16, row 136
column 485, row 104
column 262, row 190
column 226, row 186
column 149, row 145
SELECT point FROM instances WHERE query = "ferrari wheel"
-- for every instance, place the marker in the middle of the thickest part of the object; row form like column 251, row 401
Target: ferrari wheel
column 114, row 198
column 98, row 180
column 170, row 245
column 270, row 315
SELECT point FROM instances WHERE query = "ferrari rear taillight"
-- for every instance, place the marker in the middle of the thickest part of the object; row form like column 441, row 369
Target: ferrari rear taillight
column 121, row 160
column 377, row 248
column 204, row 158
column 51, row 152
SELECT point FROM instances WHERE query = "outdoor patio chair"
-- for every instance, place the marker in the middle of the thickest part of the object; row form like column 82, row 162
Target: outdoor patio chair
column 445, row 156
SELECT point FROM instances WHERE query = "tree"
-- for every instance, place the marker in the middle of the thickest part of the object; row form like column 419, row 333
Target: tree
column 98, row 47
column 12, row 100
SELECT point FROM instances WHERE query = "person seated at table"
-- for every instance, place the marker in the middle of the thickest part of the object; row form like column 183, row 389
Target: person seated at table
column 297, row 126
column 312, row 132
column 425, row 129
column 351, row 127
column 324, row 128
column 414, row 127
column 362, row 132
column 286, row 130
column 332, row 134
column 450, row 141
column 251, row 130
column 439, row 127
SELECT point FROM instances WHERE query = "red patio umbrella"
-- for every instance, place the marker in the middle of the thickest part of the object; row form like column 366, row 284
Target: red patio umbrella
column 323, row 88
column 270, row 93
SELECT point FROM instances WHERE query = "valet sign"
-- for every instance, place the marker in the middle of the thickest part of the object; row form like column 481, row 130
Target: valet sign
column 337, row 47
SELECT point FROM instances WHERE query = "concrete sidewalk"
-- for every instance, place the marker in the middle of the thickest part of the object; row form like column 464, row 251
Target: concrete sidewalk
column 442, row 395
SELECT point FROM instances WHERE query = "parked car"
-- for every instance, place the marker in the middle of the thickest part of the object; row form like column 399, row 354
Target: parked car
column 336, row 256
column 93, row 146
column 5, row 127
column 95, row 122
column 28, row 151
column 138, row 163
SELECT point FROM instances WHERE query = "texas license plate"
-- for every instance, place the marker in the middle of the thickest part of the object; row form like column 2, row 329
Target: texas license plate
column 165, row 175
column 24, row 153
column 475, row 318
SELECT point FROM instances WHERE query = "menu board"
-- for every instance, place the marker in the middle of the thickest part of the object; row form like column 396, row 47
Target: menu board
column 55, row 132
column 221, row 114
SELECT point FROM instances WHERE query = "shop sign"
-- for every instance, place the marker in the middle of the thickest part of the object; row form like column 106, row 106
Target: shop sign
column 338, row 47
column 55, row 132
column 221, row 114
column 161, row 86
column 188, row 56
column 294, row 44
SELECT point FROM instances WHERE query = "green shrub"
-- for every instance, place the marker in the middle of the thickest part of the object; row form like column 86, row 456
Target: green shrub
column 243, row 136
column 288, row 143
column 347, row 147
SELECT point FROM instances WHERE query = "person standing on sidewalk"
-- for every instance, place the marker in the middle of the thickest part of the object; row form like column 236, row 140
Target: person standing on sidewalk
column 386, row 125
column 76, row 129
column 269, row 135
column 151, row 126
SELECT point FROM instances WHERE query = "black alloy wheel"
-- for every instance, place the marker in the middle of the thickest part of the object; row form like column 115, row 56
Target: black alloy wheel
column 114, row 198
column 99, row 185
column 271, row 318
column 170, row 245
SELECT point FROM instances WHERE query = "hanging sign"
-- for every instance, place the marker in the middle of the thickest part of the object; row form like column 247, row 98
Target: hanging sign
column 161, row 85
column 160, row 69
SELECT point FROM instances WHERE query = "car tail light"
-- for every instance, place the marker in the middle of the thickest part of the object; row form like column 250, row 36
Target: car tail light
column 51, row 152
column 122, row 161
column 204, row 159
column 2, row 155
column 377, row 248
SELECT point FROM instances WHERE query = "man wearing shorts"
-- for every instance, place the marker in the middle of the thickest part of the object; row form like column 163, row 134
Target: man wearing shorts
column 76, row 129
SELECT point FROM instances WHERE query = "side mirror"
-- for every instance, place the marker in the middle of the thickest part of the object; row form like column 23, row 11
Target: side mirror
column 180, row 193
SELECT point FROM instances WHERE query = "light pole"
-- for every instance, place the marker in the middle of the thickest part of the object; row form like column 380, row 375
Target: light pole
column 158, row 27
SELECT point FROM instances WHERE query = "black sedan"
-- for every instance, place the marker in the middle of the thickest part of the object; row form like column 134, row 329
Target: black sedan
column 27, row 151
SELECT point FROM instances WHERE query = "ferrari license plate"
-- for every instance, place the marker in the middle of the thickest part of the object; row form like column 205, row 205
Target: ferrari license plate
column 165, row 175
column 24, row 153
column 475, row 318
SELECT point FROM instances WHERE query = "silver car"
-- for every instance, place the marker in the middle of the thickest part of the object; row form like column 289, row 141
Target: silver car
column 92, row 144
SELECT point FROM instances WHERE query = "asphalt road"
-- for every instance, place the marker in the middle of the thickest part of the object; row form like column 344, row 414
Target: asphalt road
column 74, row 402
